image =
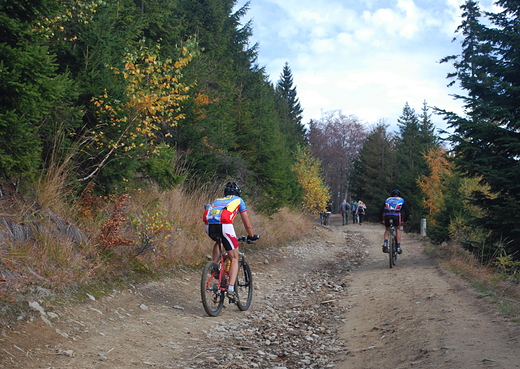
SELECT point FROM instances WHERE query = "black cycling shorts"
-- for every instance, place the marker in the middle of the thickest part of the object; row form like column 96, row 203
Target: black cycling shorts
column 224, row 233
column 396, row 219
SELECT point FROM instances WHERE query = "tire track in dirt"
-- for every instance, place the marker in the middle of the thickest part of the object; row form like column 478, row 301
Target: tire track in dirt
column 411, row 316
column 416, row 315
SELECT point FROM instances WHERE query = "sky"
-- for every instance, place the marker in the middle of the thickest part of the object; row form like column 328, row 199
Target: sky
column 367, row 58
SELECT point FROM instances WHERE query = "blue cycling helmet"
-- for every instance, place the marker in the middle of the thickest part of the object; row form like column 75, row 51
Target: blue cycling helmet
column 232, row 189
column 396, row 193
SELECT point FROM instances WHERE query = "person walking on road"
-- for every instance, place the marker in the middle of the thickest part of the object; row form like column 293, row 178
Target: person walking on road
column 360, row 211
column 345, row 209
column 353, row 208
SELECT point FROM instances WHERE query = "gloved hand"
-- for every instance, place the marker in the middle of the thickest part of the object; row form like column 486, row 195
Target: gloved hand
column 254, row 238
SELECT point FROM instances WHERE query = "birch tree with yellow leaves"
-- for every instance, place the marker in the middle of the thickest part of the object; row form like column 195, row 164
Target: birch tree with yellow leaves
column 154, row 95
column 315, row 191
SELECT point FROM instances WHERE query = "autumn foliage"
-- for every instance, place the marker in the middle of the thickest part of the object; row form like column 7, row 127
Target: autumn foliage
column 109, row 236
column 433, row 186
column 315, row 191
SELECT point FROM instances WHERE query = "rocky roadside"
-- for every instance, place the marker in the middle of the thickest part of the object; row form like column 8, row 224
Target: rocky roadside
column 296, row 314
column 293, row 322
column 329, row 301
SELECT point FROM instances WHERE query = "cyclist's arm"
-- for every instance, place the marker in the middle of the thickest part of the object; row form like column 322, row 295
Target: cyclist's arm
column 381, row 213
column 247, row 223
column 406, row 212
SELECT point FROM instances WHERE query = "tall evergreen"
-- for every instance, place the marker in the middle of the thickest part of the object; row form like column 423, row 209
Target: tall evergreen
column 486, row 139
column 373, row 175
column 290, row 109
column 414, row 138
column 32, row 92
column 428, row 137
column 225, row 68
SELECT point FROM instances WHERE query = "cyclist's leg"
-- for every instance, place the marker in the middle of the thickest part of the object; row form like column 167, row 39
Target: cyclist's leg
column 214, row 231
column 233, row 270
column 216, row 251
column 398, row 234
column 386, row 235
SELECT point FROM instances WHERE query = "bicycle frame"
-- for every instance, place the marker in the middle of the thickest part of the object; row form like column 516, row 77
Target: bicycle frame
column 223, row 276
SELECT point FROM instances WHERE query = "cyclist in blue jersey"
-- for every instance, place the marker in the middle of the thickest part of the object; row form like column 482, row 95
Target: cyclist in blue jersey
column 218, row 220
column 394, row 208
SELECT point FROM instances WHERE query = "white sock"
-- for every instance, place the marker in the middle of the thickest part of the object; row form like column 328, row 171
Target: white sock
column 231, row 288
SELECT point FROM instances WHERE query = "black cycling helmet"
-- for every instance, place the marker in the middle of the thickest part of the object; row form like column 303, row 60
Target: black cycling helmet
column 396, row 193
column 232, row 189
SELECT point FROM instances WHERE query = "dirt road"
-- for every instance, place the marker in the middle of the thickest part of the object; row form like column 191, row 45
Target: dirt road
column 327, row 302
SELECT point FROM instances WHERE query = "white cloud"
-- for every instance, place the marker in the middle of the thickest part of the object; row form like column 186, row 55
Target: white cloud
column 364, row 57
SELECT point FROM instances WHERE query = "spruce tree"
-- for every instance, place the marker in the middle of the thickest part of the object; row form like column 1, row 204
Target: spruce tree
column 290, row 109
column 373, row 175
column 416, row 135
column 32, row 92
column 485, row 139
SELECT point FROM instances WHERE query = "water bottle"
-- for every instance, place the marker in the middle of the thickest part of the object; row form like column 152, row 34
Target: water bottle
column 227, row 263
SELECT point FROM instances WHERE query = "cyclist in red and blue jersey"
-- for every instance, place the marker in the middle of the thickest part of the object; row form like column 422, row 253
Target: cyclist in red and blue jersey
column 394, row 208
column 218, row 219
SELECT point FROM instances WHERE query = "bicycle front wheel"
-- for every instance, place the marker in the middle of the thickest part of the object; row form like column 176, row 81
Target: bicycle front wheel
column 210, row 293
column 244, row 286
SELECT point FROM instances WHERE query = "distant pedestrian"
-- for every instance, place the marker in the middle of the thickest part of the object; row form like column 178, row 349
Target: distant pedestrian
column 353, row 208
column 344, row 210
column 326, row 216
column 361, row 209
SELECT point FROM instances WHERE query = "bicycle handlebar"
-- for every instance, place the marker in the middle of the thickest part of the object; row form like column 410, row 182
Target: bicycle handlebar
column 249, row 239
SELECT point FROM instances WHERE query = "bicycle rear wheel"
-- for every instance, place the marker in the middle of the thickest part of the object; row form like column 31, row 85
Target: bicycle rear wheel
column 394, row 255
column 244, row 286
column 210, row 293
column 395, row 251
column 391, row 251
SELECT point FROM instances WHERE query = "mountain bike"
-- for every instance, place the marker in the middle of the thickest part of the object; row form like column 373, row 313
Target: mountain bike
column 214, row 282
column 392, row 245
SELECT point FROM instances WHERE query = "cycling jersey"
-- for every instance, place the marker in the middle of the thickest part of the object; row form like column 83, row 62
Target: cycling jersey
column 394, row 205
column 224, row 210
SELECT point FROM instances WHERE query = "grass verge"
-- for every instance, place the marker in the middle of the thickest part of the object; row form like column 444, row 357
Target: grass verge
column 494, row 287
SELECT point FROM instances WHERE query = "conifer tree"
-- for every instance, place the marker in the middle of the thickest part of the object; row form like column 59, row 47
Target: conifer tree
column 373, row 174
column 415, row 137
column 290, row 110
column 32, row 92
column 485, row 139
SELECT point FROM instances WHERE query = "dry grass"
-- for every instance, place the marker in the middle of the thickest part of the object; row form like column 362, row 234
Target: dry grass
column 463, row 262
column 189, row 243
column 504, row 294
column 58, row 246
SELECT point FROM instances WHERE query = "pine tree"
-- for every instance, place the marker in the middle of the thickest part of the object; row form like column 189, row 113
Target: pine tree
column 486, row 139
column 373, row 174
column 290, row 109
column 32, row 92
column 428, row 137
column 413, row 140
